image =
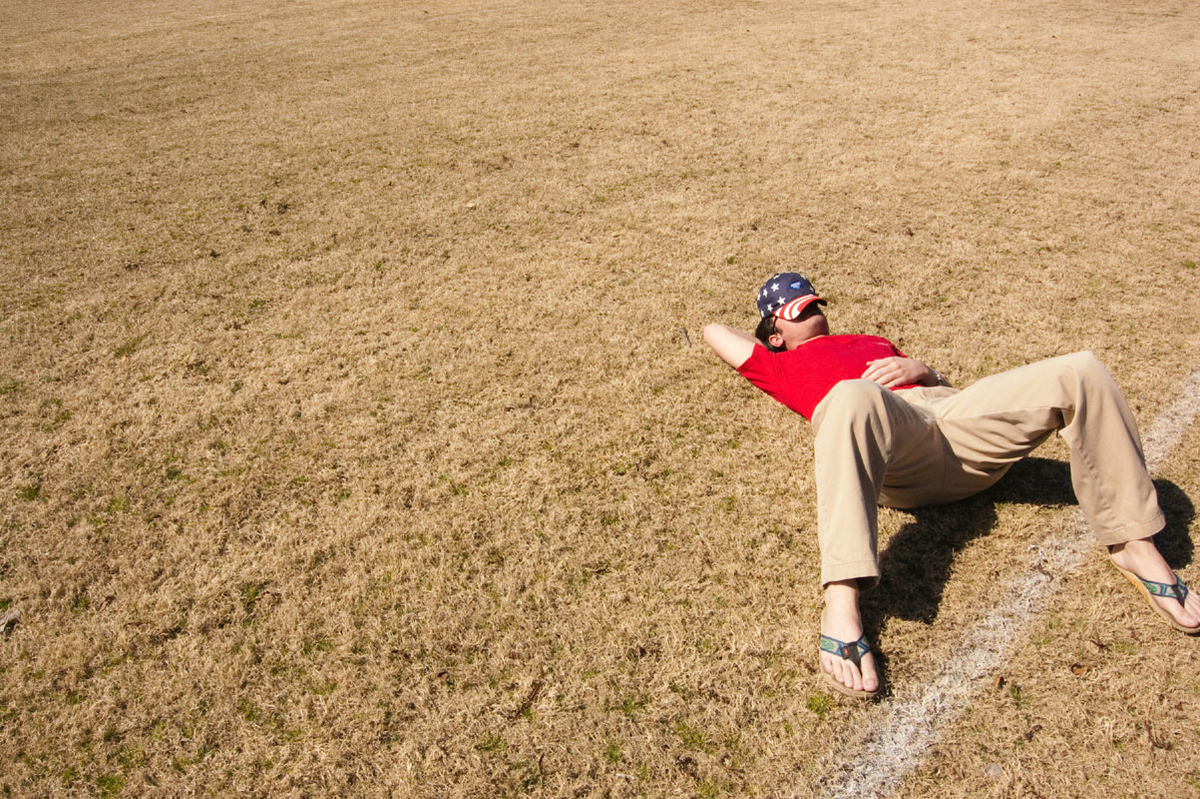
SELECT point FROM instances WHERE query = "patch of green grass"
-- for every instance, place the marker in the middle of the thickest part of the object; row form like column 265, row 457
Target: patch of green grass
column 32, row 491
column 317, row 645
column 61, row 416
column 132, row 758
column 11, row 387
column 734, row 744
column 711, row 789
column 631, row 706
column 491, row 742
column 691, row 737
column 681, row 690
column 128, row 346
column 1123, row 647
column 819, row 704
column 1189, row 264
column 612, row 752
column 250, row 593
column 1018, row 697
column 110, row 784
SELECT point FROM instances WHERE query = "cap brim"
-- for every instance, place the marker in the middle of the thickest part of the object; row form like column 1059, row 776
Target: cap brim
column 793, row 309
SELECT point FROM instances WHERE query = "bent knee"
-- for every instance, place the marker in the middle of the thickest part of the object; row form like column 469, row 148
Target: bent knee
column 856, row 392
column 1086, row 365
column 851, row 398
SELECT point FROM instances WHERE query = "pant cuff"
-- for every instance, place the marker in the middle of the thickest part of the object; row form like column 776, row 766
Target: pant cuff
column 1133, row 531
column 865, row 571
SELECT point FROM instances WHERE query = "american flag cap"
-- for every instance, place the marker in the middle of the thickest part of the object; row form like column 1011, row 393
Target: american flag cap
column 785, row 295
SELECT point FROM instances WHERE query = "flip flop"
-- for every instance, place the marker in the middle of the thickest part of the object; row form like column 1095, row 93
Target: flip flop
column 852, row 652
column 1150, row 589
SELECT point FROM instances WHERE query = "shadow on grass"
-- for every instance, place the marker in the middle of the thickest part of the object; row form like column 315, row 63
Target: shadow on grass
column 916, row 563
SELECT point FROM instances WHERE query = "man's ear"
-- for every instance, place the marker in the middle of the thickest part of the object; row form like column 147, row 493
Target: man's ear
column 775, row 339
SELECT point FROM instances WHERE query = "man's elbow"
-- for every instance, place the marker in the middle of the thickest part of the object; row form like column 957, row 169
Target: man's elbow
column 710, row 333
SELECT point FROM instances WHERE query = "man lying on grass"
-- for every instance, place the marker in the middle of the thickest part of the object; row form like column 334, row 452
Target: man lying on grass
column 890, row 431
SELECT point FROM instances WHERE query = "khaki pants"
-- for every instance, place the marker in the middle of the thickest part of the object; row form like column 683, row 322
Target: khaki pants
column 923, row 446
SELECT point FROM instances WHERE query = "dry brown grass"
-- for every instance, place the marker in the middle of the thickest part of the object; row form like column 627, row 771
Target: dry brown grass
column 350, row 444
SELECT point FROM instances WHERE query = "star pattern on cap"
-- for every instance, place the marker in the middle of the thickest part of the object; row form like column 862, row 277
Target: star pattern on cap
column 777, row 298
column 781, row 290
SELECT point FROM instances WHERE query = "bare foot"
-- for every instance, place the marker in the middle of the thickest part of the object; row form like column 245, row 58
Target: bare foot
column 1143, row 559
column 841, row 620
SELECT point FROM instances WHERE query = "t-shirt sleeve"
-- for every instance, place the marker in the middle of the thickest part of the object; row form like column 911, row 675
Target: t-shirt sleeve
column 762, row 369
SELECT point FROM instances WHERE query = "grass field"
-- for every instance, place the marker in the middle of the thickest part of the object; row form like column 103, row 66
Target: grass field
column 356, row 437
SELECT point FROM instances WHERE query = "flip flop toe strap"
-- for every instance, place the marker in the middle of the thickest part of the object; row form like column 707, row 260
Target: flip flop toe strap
column 852, row 651
column 1178, row 591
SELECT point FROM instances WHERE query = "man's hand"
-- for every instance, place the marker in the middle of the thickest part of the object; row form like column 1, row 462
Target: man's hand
column 899, row 371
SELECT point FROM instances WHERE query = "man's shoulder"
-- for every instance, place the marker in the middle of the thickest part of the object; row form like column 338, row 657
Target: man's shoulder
column 844, row 340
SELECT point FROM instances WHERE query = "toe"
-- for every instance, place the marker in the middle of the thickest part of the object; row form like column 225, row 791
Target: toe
column 850, row 676
column 843, row 672
column 1190, row 613
column 838, row 671
column 870, row 679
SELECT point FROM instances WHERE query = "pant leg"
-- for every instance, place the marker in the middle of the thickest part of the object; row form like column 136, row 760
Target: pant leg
column 1000, row 419
column 866, row 437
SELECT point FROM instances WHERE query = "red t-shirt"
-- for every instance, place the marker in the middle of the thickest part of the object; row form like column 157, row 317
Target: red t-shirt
column 801, row 378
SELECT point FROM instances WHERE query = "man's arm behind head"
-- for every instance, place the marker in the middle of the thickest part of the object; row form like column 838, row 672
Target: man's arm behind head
column 733, row 346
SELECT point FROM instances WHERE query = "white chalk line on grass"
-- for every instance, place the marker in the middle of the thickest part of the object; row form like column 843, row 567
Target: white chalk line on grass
column 904, row 729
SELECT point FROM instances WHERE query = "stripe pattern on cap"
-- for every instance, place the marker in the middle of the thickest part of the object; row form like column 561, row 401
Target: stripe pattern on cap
column 791, row 310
